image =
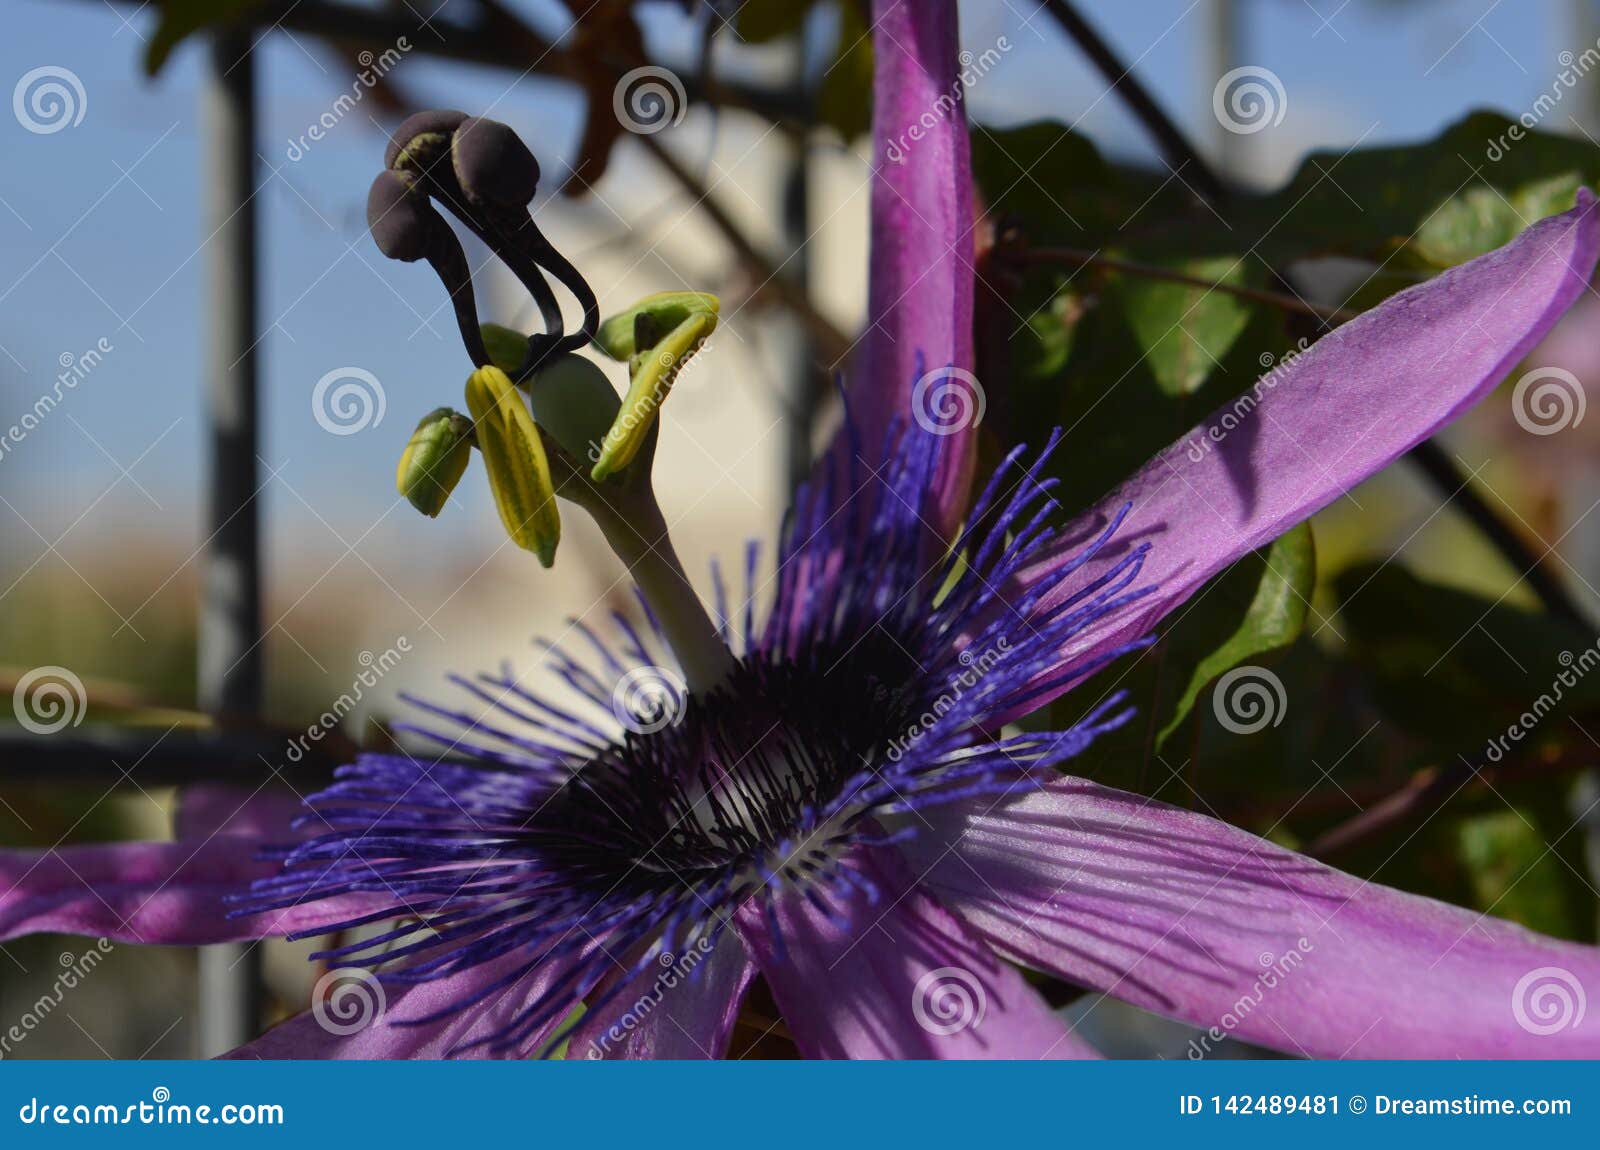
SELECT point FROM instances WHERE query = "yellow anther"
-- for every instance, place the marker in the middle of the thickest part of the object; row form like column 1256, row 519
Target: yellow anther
column 519, row 472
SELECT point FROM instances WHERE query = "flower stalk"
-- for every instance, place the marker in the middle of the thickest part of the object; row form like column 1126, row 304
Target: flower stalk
column 635, row 529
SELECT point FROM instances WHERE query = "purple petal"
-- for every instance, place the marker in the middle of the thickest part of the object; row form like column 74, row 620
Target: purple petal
column 1190, row 917
column 896, row 975
column 366, row 1019
column 160, row 893
column 686, row 1009
column 206, row 809
column 1321, row 423
column 919, row 309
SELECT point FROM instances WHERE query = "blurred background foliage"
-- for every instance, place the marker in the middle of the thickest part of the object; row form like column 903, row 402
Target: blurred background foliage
column 1137, row 269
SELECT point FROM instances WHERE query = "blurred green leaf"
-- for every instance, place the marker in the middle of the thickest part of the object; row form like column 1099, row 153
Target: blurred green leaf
column 1482, row 219
column 1422, row 206
column 1105, row 392
column 1513, row 871
column 1040, row 350
column 1456, row 668
column 1440, row 202
column 1055, row 183
column 1276, row 583
column 1184, row 330
column 1124, row 365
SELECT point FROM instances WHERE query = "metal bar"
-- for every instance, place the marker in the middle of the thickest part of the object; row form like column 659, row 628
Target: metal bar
column 160, row 757
column 230, row 597
column 803, row 377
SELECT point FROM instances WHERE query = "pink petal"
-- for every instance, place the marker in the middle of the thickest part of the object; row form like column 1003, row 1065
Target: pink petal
column 263, row 813
column 919, row 310
column 386, row 1020
column 686, row 1009
column 160, row 893
column 1333, row 416
column 1190, row 917
column 899, row 977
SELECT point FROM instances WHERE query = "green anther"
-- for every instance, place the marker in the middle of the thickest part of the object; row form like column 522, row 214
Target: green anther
column 656, row 336
column 663, row 311
column 507, row 347
column 519, row 472
column 434, row 460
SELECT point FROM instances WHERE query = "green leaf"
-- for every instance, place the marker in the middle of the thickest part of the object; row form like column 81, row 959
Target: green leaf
column 1124, row 364
column 1052, row 181
column 1040, row 350
column 1439, row 203
column 1481, row 219
column 181, row 19
column 1458, row 669
column 1255, row 611
column 1279, row 582
column 1105, row 392
column 1185, row 331
column 1417, row 207
column 1513, row 870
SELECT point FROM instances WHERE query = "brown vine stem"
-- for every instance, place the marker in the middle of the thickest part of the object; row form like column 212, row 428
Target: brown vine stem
column 1077, row 257
column 832, row 342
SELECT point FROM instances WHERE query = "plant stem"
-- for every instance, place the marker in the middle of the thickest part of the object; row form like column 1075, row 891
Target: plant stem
column 636, row 530
column 1081, row 258
column 832, row 342
column 1456, row 487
